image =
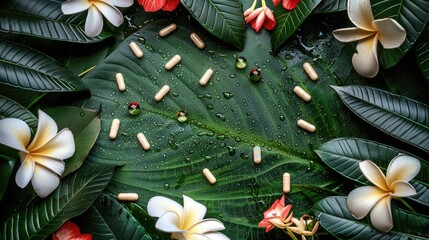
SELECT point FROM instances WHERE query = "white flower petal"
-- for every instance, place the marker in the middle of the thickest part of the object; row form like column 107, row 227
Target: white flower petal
column 216, row 236
column 25, row 172
column 207, row 225
column 361, row 200
column 119, row 3
column 158, row 205
column 55, row 165
column 61, row 146
column 110, row 13
column 75, row 6
column 94, row 22
column 196, row 236
column 360, row 14
column 403, row 168
column 169, row 222
column 351, row 34
column 46, row 130
column 365, row 61
column 193, row 212
column 14, row 133
column 381, row 215
column 391, row 33
column 373, row 174
column 402, row 189
column 44, row 181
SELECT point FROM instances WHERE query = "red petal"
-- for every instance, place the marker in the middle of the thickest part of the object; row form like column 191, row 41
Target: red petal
column 258, row 22
column 152, row 5
column 66, row 231
column 275, row 2
column 82, row 237
column 290, row 4
column 270, row 21
column 170, row 5
column 253, row 14
column 266, row 224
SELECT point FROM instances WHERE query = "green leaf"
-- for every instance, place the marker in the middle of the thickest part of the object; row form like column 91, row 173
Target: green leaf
column 145, row 220
column 28, row 69
column 6, row 167
column 422, row 55
column 289, row 21
column 329, row 6
column 413, row 15
column 108, row 219
column 334, row 216
column 316, row 193
column 43, row 19
column 223, row 19
column 85, row 126
column 400, row 117
column 72, row 197
column 11, row 109
column 344, row 154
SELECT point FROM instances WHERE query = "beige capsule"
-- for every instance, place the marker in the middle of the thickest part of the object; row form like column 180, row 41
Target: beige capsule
column 286, row 182
column 162, row 92
column 209, row 175
column 257, row 159
column 143, row 141
column 128, row 197
column 120, row 81
column 197, row 40
column 206, row 77
column 310, row 71
column 167, row 30
column 173, row 62
column 114, row 128
column 136, row 49
column 306, row 125
column 302, row 93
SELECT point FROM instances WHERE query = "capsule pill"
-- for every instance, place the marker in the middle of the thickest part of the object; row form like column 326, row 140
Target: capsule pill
column 310, row 71
column 173, row 62
column 162, row 92
column 120, row 82
column 206, row 77
column 306, row 125
column 114, row 128
column 209, row 175
column 167, row 30
column 302, row 93
column 286, row 182
column 257, row 155
column 197, row 40
column 136, row 49
column 143, row 141
column 128, row 196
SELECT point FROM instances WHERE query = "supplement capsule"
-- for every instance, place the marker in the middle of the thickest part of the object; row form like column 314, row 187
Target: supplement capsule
column 310, row 71
column 114, row 128
column 206, row 77
column 143, row 141
column 286, row 182
column 162, row 92
column 120, row 81
column 209, row 175
column 302, row 93
column 167, row 30
column 136, row 49
column 128, row 196
column 306, row 125
column 197, row 40
column 173, row 62
column 257, row 155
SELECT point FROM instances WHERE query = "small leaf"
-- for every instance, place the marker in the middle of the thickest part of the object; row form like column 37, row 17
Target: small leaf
column 28, row 69
column 72, row 197
column 334, row 216
column 422, row 55
column 108, row 219
column 329, row 6
column 11, row 109
column 289, row 21
column 6, row 167
column 400, row 117
column 224, row 19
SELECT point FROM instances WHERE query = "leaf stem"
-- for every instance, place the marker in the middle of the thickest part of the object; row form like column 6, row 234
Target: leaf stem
column 264, row 5
column 406, row 204
column 291, row 235
column 36, row 100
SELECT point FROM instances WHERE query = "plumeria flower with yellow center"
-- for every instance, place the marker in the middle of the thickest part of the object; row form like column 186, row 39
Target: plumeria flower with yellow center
column 369, row 32
column 306, row 226
column 376, row 199
column 42, row 159
column 187, row 222
column 96, row 10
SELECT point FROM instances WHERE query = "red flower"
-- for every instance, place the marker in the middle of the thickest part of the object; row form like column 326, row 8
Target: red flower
column 155, row 5
column 70, row 231
column 277, row 216
column 259, row 17
column 287, row 4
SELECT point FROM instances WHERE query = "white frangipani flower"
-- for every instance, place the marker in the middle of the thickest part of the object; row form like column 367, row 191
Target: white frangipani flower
column 42, row 159
column 96, row 10
column 368, row 32
column 376, row 199
column 187, row 222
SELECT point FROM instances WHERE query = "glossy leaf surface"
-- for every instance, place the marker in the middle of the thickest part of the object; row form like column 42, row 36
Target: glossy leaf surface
column 422, row 54
column 11, row 109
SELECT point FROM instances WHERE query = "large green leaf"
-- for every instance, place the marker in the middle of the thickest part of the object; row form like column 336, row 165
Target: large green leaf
column 413, row 15
column 328, row 6
column 334, row 216
column 44, row 19
column 28, row 69
column 147, row 221
column 398, row 116
column 222, row 18
column 422, row 54
column 11, row 109
column 344, row 154
column 108, row 219
column 289, row 21
column 226, row 118
column 72, row 197
column 6, row 167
